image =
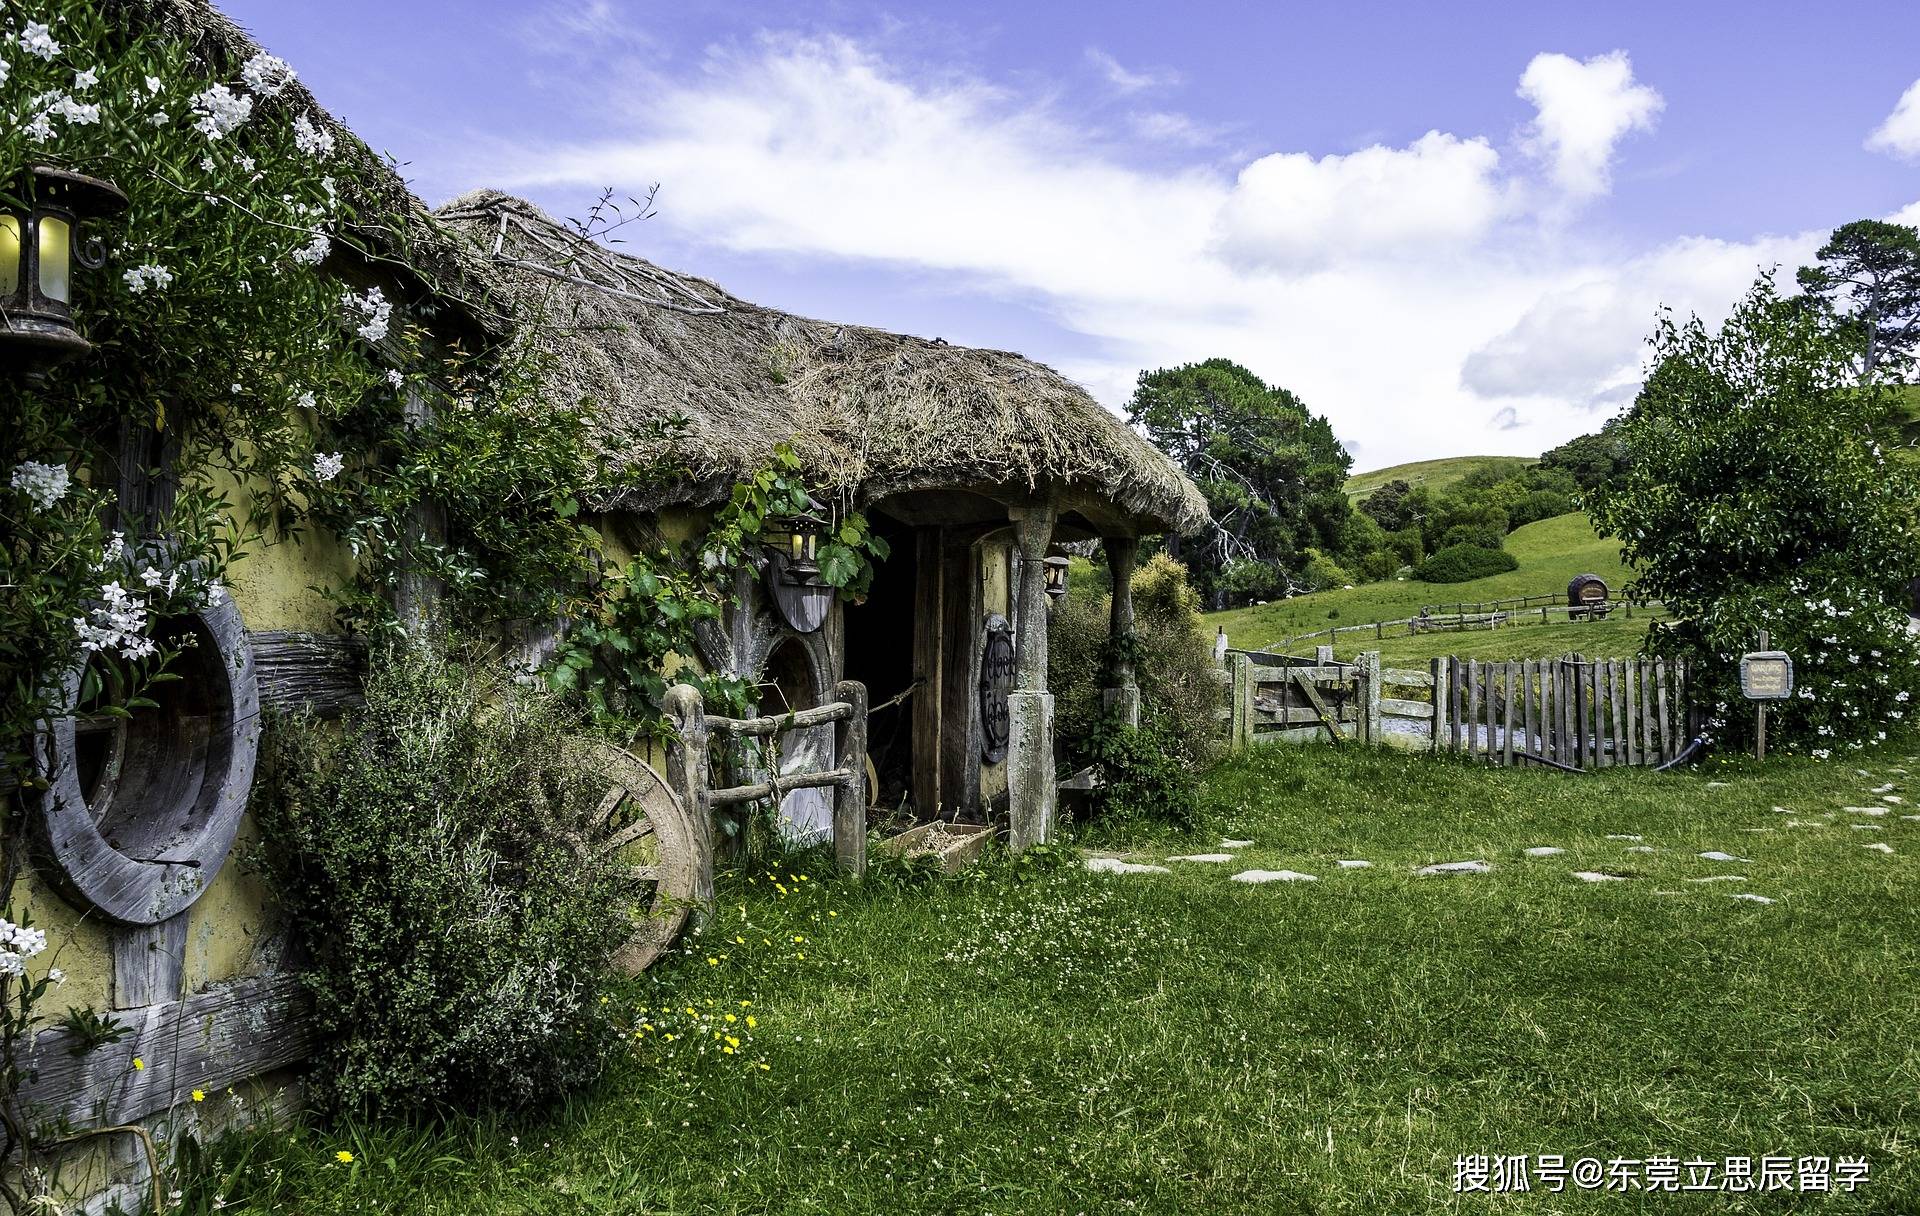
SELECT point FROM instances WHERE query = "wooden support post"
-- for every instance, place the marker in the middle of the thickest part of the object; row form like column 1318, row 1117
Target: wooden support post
column 850, row 799
column 928, row 610
column 1122, row 694
column 1437, row 732
column 1241, row 707
column 417, row 595
column 1032, row 795
column 961, row 738
column 687, row 775
column 1370, row 694
column 1760, row 713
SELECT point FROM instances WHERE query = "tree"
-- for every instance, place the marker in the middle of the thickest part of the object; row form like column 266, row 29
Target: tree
column 1869, row 273
column 1388, row 505
column 1755, row 498
column 1272, row 471
column 1590, row 459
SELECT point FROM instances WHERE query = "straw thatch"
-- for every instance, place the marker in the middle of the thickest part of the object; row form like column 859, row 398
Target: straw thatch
column 394, row 230
column 869, row 411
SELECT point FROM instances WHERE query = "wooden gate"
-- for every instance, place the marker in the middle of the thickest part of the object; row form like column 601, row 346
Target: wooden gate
column 1569, row 712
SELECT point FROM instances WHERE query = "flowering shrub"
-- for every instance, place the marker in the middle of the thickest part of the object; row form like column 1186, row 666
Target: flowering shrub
column 20, row 997
column 1756, row 498
column 427, row 857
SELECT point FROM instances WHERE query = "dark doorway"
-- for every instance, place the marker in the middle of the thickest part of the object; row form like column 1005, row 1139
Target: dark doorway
column 879, row 654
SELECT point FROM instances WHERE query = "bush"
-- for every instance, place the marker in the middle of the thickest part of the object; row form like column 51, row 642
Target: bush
column 1172, row 661
column 1144, row 778
column 456, row 937
column 1322, row 573
column 1459, row 563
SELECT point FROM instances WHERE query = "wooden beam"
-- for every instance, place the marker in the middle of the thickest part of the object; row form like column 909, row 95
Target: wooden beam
column 960, row 741
column 929, row 606
column 1035, row 533
column 322, row 673
column 208, row 1041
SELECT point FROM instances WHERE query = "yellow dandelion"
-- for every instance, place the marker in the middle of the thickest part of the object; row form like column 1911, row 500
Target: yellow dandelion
column 746, row 1004
column 726, row 1051
column 798, row 938
column 732, row 1018
column 712, row 961
column 831, row 912
column 692, row 1012
column 752, row 1021
column 766, row 1068
column 732, row 1042
column 199, row 1095
column 343, row 1157
column 801, row 955
column 139, row 1063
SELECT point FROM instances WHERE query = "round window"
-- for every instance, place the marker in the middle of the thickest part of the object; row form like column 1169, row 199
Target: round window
column 141, row 811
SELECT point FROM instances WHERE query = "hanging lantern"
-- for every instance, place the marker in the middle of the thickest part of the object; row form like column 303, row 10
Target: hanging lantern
column 795, row 543
column 1056, row 566
column 40, row 244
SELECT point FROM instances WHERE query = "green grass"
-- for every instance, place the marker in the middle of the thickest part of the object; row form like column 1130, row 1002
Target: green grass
column 1550, row 552
column 1433, row 474
column 1182, row 1043
column 1615, row 637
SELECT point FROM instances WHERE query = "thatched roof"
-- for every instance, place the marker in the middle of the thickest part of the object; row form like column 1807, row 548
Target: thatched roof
column 874, row 412
column 396, row 231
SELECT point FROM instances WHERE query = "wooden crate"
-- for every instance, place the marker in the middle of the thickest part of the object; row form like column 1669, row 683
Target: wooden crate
column 957, row 845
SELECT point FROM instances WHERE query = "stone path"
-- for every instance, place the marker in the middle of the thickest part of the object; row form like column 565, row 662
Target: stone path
column 1255, row 877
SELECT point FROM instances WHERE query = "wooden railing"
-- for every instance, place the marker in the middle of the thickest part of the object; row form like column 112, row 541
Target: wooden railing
column 1483, row 616
column 689, row 756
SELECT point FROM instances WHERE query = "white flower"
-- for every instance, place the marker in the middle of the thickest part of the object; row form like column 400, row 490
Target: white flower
column 245, row 162
column 315, row 251
column 216, row 594
column 56, row 975
column 152, row 576
column 1821, row 753
column 395, row 378
column 75, row 112
column 267, row 74
column 206, row 164
column 304, row 401
column 327, row 465
column 375, row 313
column 85, row 79
column 45, row 484
column 40, row 130
column 158, row 118
column 147, row 275
column 37, row 39
column 220, row 110
column 153, row 85
column 116, row 545
column 3, row 71
column 311, row 140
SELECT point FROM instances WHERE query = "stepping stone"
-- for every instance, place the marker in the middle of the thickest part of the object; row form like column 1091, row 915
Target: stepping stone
column 1879, row 846
column 1113, row 865
column 1882, row 789
column 1235, row 844
column 1781, row 810
column 1356, row 865
column 1801, row 823
column 1720, row 878
column 1759, row 829
column 1640, row 848
column 1203, row 857
column 1273, row 876
column 1717, row 855
column 1751, row 898
column 1864, row 827
column 1597, row 876
column 1717, row 785
column 1865, row 810
column 1914, row 818
column 1456, row 867
column 1861, row 772
column 1893, row 799
column 1624, row 837
column 1544, row 850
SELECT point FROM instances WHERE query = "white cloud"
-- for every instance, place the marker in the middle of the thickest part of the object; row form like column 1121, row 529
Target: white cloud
column 1404, row 291
column 1899, row 135
column 1291, row 210
column 1583, row 111
column 1126, row 79
column 1168, row 127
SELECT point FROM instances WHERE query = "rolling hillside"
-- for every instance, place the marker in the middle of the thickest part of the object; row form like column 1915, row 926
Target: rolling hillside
column 1434, row 474
column 1550, row 552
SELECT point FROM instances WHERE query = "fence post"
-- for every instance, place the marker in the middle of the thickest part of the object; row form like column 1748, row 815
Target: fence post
column 1323, row 655
column 850, row 800
column 687, row 774
column 1438, row 669
column 1241, row 730
column 1370, row 696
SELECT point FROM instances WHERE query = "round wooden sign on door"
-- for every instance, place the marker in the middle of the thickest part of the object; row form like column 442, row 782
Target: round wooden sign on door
column 996, row 682
column 140, row 812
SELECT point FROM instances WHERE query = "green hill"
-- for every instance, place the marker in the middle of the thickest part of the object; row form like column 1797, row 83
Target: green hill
column 1550, row 553
column 1434, row 474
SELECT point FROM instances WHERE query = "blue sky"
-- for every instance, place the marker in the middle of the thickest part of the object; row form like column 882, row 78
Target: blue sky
column 1446, row 226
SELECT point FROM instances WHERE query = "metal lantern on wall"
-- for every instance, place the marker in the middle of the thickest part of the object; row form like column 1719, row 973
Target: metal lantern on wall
column 795, row 541
column 1056, row 565
column 40, row 244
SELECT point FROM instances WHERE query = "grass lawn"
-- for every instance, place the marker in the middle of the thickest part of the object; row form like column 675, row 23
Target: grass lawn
column 1550, row 553
column 1616, row 637
column 1058, row 1041
column 1433, row 474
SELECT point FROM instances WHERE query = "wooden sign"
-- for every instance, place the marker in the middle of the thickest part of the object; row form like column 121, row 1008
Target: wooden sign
column 1766, row 675
column 996, row 682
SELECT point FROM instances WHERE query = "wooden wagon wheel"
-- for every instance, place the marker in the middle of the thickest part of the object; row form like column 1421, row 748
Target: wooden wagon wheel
column 640, row 823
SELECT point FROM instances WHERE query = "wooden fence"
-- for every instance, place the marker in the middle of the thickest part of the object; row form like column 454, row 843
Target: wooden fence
column 1569, row 712
column 1464, row 621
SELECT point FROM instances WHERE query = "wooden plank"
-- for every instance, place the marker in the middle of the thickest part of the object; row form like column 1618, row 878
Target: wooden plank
column 1370, row 695
column 1630, row 721
column 1400, row 677
column 1506, row 741
column 1665, row 723
column 850, row 799
column 1474, row 678
column 1394, row 707
column 1526, row 706
column 1327, row 717
column 208, row 1041
column 1647, row 753
column 1437, row 733
column 149, row 962
column 321, row 673
column 1602, row 705
column 961, row 734
column 1562, row 729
